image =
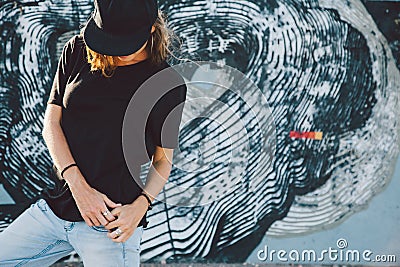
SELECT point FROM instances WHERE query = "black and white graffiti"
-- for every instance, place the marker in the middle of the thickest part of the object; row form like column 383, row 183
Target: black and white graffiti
column 323, row 66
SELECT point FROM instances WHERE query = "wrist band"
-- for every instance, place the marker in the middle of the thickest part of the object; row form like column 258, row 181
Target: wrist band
column 66, row 168
column 148, row 199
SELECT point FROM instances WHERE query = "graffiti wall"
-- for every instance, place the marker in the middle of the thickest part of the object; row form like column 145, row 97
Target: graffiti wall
column 329, row 74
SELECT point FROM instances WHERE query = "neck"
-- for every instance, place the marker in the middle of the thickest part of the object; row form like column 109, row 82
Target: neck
column 140, row 57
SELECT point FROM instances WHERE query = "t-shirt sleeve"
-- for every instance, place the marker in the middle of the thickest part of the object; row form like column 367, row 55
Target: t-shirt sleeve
column 61, row 76
column 166, row 117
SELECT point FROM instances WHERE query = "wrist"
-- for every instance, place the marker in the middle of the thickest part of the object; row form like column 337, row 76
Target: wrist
column 74, row 179
column 66, row 168
column 141, row 202
column 143, row 197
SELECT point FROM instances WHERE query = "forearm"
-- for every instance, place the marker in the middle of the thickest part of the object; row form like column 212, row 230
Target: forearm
column 91, row 203
column 57, row 145
column 157, row 177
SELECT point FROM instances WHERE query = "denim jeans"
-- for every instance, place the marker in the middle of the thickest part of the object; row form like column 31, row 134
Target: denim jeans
column 39, row 238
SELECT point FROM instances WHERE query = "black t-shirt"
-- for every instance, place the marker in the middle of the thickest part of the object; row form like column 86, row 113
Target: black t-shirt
column 93, row 110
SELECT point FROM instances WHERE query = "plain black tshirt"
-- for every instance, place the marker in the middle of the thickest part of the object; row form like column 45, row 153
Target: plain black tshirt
column 93, row 109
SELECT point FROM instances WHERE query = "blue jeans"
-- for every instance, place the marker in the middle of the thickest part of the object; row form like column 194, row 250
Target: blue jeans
column 39, row 238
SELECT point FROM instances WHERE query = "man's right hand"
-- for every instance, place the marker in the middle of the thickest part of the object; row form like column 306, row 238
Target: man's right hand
column 92, row 204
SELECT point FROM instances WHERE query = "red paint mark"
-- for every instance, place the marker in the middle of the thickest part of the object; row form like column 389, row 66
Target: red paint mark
column 306, row 135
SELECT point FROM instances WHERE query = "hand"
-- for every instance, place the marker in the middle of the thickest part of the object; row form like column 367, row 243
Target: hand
column 128, row 218
column 92, row 204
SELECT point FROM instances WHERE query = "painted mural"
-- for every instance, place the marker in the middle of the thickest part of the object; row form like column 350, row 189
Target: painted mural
column 327, row 96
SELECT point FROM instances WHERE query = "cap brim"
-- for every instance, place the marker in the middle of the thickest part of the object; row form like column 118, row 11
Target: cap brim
column 105, row 44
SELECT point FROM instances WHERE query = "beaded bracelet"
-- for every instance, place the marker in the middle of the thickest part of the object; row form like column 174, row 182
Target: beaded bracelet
column 66, row 168
column 148, row 200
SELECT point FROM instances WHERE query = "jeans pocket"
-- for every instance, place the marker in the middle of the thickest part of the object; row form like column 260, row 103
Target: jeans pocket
column 100, row 228
column 134, row 241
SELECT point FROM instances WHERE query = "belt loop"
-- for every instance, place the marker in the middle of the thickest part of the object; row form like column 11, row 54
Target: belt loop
column 68, row 226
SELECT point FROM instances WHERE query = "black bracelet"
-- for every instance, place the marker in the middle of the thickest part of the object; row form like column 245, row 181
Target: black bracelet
column 66, row 168
column 148, row 199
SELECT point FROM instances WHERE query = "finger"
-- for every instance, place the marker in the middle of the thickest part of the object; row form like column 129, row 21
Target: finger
column 113, row 224
column 111, row 235
column 121, row 238
column 94, row 220
column 100, row 217
column 109, row 217
column 87, row 221
column 110, row 203
column 115, row 212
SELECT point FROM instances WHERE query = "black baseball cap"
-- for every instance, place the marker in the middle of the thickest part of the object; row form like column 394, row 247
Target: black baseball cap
column 120, row 27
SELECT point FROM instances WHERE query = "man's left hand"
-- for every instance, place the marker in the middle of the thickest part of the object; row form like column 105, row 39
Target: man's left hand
column 128, row 218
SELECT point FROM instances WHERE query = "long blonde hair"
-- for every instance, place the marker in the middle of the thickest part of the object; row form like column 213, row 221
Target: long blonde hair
column 158, row 49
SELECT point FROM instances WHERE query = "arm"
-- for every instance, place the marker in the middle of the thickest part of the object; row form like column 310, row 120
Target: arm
column 90, row 202
column 130, row 215
column 159, row 172
column 56, row 143
column 164, row 121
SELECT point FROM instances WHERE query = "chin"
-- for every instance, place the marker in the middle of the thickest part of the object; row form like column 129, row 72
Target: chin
column 125, row 58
